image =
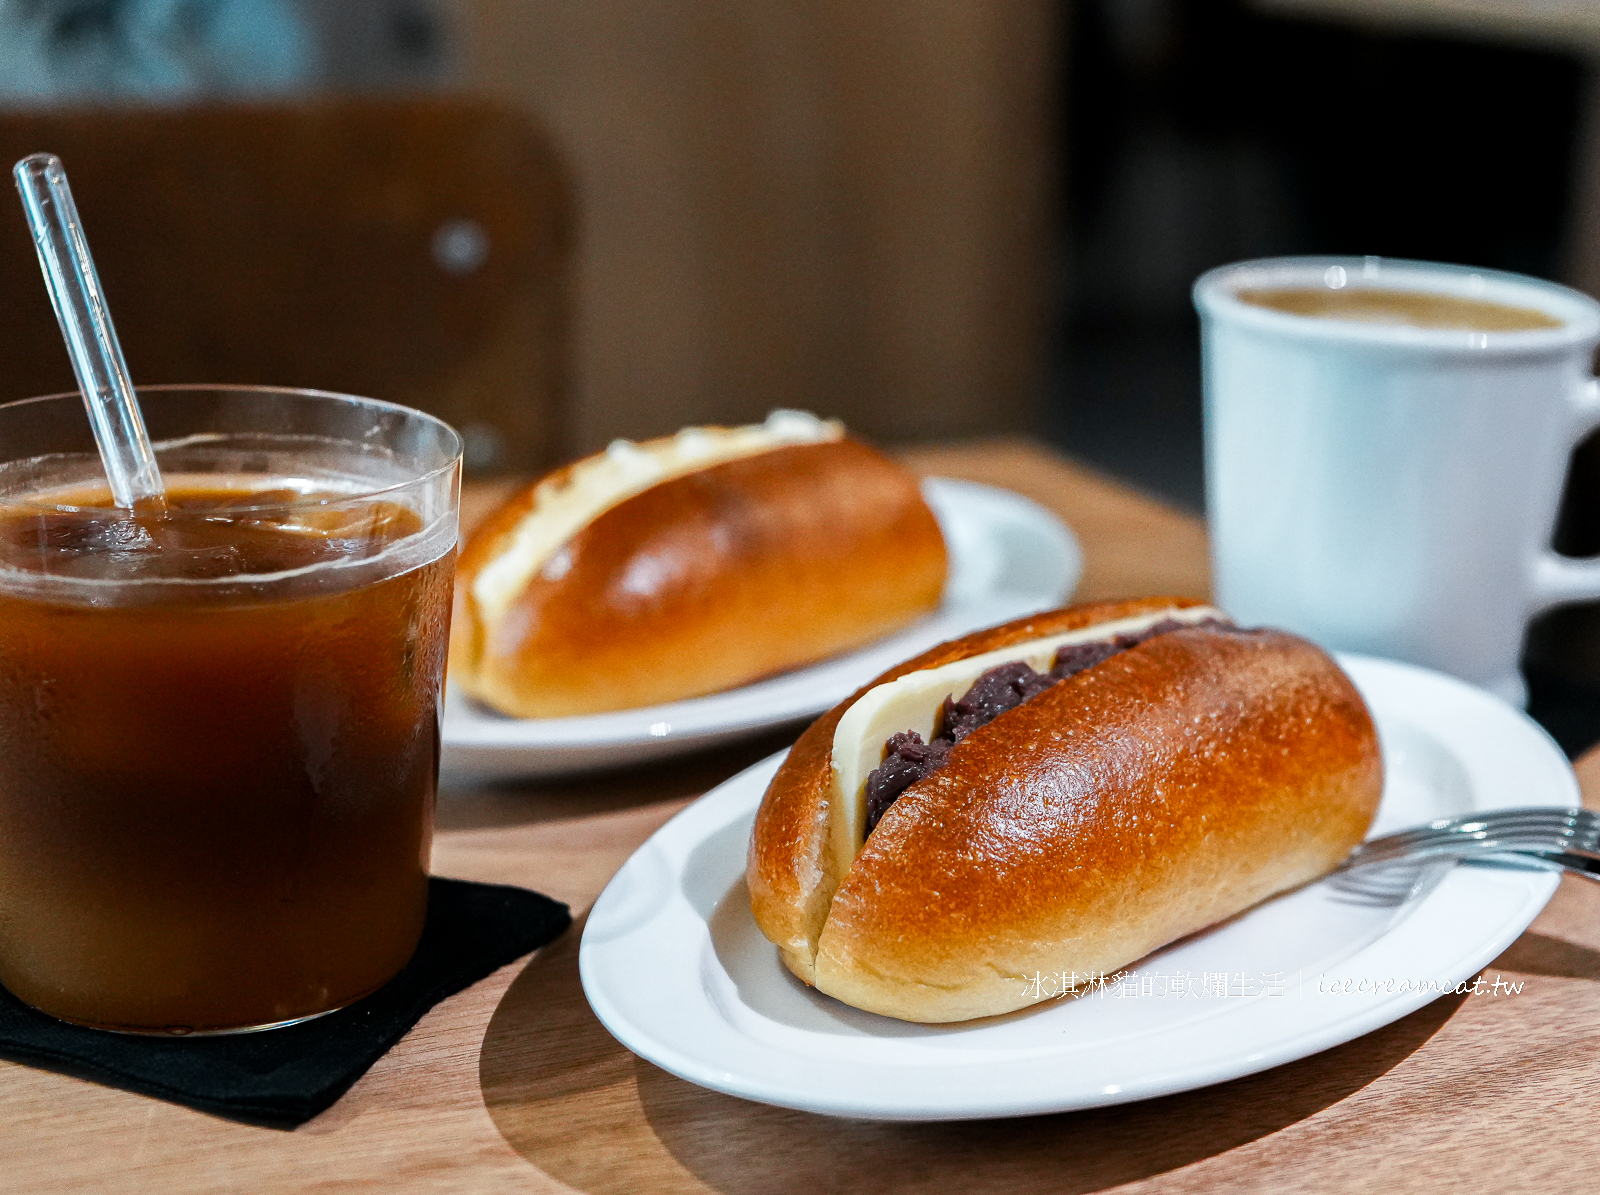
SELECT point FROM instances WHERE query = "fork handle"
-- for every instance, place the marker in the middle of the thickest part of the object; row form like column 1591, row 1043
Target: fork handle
column 1583, row 865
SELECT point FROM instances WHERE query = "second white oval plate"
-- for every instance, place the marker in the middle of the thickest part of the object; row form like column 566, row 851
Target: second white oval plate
column 1008, row 557
column 675, row 968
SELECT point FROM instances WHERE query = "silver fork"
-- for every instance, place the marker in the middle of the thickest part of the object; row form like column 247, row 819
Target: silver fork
column 1568, row 839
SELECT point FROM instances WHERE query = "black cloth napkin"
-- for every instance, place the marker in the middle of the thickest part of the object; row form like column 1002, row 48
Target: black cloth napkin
column 284, row 1077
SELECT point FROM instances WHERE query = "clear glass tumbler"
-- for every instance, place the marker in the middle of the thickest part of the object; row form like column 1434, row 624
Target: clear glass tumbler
column 219, row 724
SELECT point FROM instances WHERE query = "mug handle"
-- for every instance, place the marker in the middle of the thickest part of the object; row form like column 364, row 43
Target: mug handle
column 1559, row 579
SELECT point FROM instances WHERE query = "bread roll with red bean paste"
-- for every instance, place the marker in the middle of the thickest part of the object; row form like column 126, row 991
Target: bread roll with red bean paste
column 1171, row 771
column 690, row 564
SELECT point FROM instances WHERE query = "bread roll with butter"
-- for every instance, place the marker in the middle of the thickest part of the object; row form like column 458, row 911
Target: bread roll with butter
column 682, row 566
column 1188, row 771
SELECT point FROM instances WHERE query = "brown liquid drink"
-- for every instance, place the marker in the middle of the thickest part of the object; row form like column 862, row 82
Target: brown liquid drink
column 216, row 794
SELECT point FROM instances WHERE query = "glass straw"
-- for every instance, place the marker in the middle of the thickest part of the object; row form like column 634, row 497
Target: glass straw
column 74, row 287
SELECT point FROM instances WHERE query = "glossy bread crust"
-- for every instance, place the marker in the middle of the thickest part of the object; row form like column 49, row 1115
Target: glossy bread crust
column 791, row 874
column 705, row 582
column 1159, row 792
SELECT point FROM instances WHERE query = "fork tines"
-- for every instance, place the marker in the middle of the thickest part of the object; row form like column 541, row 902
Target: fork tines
column 1530, row 831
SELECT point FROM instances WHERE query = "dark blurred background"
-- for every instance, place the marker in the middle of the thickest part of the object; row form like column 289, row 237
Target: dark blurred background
column 941, row 219
column 1199, row 132
column 556, row 222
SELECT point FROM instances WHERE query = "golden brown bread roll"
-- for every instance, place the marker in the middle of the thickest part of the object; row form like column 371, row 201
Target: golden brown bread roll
column 1150, row 795
column 682, row 566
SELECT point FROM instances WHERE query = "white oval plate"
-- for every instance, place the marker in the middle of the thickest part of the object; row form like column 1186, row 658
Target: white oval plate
column 675, row 967
column 1008, row 557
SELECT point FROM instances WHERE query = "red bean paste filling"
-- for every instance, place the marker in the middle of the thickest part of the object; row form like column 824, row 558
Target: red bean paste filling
column 907, row 759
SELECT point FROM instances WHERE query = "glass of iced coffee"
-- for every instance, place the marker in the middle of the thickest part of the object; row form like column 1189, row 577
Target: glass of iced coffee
column 219, row 722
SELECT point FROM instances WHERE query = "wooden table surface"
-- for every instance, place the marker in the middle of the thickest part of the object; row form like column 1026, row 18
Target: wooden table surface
column 513, row 1085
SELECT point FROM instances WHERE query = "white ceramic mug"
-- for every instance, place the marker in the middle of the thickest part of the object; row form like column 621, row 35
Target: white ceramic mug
column 1392, row 489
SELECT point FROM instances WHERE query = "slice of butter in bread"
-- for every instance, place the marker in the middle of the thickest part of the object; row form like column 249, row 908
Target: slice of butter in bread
column 574, row 497
column 913, row 701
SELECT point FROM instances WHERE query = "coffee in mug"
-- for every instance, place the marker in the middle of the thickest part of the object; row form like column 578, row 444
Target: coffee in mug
column 1381, row 305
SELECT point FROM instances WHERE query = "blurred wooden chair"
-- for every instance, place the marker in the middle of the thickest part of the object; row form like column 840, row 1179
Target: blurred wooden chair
column 407, row 249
